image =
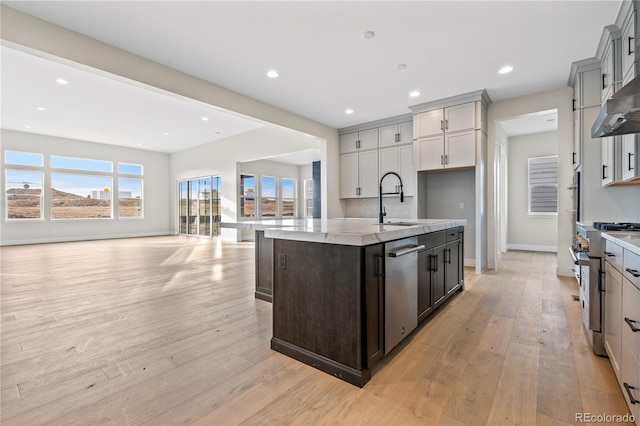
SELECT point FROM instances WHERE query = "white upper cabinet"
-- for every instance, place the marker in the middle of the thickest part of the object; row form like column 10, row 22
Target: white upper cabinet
column 395, row 134
column 443, row 120
column 358, row 141
column 607, row 72
column 454, row 150
column 628, row 49
column 359, row 174
column 607, row 157
column 630, row 163
column 399, row 160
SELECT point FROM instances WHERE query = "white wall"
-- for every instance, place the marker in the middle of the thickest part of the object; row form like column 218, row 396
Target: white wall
column 156, row 219
column 560, row 99
column 222, row 158
column 369, row 207
column 527, row 232
column 25, row 32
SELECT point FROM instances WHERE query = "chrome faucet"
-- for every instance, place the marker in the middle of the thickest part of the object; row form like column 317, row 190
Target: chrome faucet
column 382, row 213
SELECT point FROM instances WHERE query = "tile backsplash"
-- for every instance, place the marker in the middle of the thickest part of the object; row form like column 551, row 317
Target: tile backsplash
column 368, row 207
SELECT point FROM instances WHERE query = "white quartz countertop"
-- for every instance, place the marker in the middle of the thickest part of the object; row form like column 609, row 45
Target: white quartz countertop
column 627, row 240
column 351, row 232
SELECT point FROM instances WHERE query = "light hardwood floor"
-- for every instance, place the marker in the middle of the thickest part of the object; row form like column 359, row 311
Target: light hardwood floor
column 166, row 330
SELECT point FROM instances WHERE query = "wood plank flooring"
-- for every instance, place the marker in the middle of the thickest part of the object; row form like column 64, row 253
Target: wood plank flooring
column 166, row 330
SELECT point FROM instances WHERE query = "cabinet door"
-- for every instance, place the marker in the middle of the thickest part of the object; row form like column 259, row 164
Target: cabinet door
column 451, row 273
column 388, row 162
column 628, row 46
column 629, row 157
column 612, row 315
column 425, row 304
column 349, row 142
column 460, row 149
column 428, row 123
column 431, row 153
column 405, row 132
column 388, row 136
column 406, row 169
column 437, row 267
column 606, row 156
column 577, row 138
column 630, row 376
column 368, row 139
column 460, row 117
column 606, row 76
column 631, row 316
column 368, row 166
column 349, row 175
column 577, row 92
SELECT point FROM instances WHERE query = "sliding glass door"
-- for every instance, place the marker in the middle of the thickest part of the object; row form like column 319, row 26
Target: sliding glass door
column 199, row 206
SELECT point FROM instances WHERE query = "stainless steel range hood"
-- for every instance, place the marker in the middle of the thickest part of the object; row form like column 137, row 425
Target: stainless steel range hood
column 620, row 115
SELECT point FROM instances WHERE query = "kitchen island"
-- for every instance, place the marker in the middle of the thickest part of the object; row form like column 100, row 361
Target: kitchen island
column 333, row 301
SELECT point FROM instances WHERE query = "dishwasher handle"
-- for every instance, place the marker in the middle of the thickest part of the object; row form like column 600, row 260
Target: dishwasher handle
column 408, row 250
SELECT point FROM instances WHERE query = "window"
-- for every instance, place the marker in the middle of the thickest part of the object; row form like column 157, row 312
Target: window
column 129, row 197
column 130, row 169
column 23, row 194
column 23, row 158
column 247, row 196
column 268, row 197
column 80, row 196
column 81, row 164
column 288, row 200
column 543, row 185
column 308, row 198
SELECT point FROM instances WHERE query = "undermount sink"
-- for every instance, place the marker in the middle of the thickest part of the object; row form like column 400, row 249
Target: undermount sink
column 399, row 223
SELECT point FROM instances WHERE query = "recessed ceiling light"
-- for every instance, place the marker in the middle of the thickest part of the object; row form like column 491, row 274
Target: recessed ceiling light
column 401, row 67
column 414, row 94
column 348, row 111
column 138, row 144
column 506, row 69
column 205, row 118
column 61, row 81
column 166, row 133
column 368, row 35
column 41, row 109
column 26, row 126
column 272, row 74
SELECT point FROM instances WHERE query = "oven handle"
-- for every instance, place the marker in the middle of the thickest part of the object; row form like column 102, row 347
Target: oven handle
column 577, row 260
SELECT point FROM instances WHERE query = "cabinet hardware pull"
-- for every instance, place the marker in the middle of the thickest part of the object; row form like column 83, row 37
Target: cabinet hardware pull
column 631, row 154
column 604, row 171
column 604, row 76
column 446, row 124
column 574, row 104
column 446, row 159
column 436, row 270
column 442, row 125
column 574, row 158
column 629, row 40
column 628, row 388
column 430, row 266
column 609, row 254
column 631, row 324
column 633, row 272
column 449, row 260
column 442, row 160
column 379, row 265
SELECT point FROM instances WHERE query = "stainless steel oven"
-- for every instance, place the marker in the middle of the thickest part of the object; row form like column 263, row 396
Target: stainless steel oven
column 587, row 252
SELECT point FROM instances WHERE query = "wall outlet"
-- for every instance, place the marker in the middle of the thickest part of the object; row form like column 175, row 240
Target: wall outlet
column 282, row 261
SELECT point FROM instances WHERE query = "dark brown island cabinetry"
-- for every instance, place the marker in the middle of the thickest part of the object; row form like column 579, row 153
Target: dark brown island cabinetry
column 329, row 299
column 440, row 268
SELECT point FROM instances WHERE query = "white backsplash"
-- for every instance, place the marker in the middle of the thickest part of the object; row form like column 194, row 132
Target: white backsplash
column 368, row 207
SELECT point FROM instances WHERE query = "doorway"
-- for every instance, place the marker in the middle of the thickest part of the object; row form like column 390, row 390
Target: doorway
column 199, row 206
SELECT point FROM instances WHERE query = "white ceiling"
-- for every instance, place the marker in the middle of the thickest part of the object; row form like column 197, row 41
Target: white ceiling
column 325, row 65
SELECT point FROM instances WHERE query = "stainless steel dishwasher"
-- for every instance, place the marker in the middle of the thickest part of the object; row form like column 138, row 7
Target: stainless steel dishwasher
column 400, row 290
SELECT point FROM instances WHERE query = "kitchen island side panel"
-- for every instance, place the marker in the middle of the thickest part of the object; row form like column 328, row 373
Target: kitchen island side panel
column 317, row 299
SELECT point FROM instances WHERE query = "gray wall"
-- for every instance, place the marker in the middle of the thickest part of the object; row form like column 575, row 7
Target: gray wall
column 528, row 232
column 440, row 196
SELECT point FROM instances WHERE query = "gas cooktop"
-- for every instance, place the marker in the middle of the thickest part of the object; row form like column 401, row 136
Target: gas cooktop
column 613, row 226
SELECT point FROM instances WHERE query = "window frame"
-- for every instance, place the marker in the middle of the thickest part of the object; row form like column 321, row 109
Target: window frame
column 530, row 186
column 276, row 197
column 28, row 169
column 138, row 178
column 282, row 198
column 79, row 174
column 242, row 197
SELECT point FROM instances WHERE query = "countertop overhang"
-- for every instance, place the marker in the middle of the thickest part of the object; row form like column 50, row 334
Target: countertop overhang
column 351, row 231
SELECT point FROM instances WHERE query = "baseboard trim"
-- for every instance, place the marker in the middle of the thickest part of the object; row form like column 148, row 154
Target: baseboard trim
column 83, row 238
column 350, row 375
column 533, row 247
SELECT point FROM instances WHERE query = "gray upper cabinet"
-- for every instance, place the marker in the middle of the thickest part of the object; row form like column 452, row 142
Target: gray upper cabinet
column 445, row 120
